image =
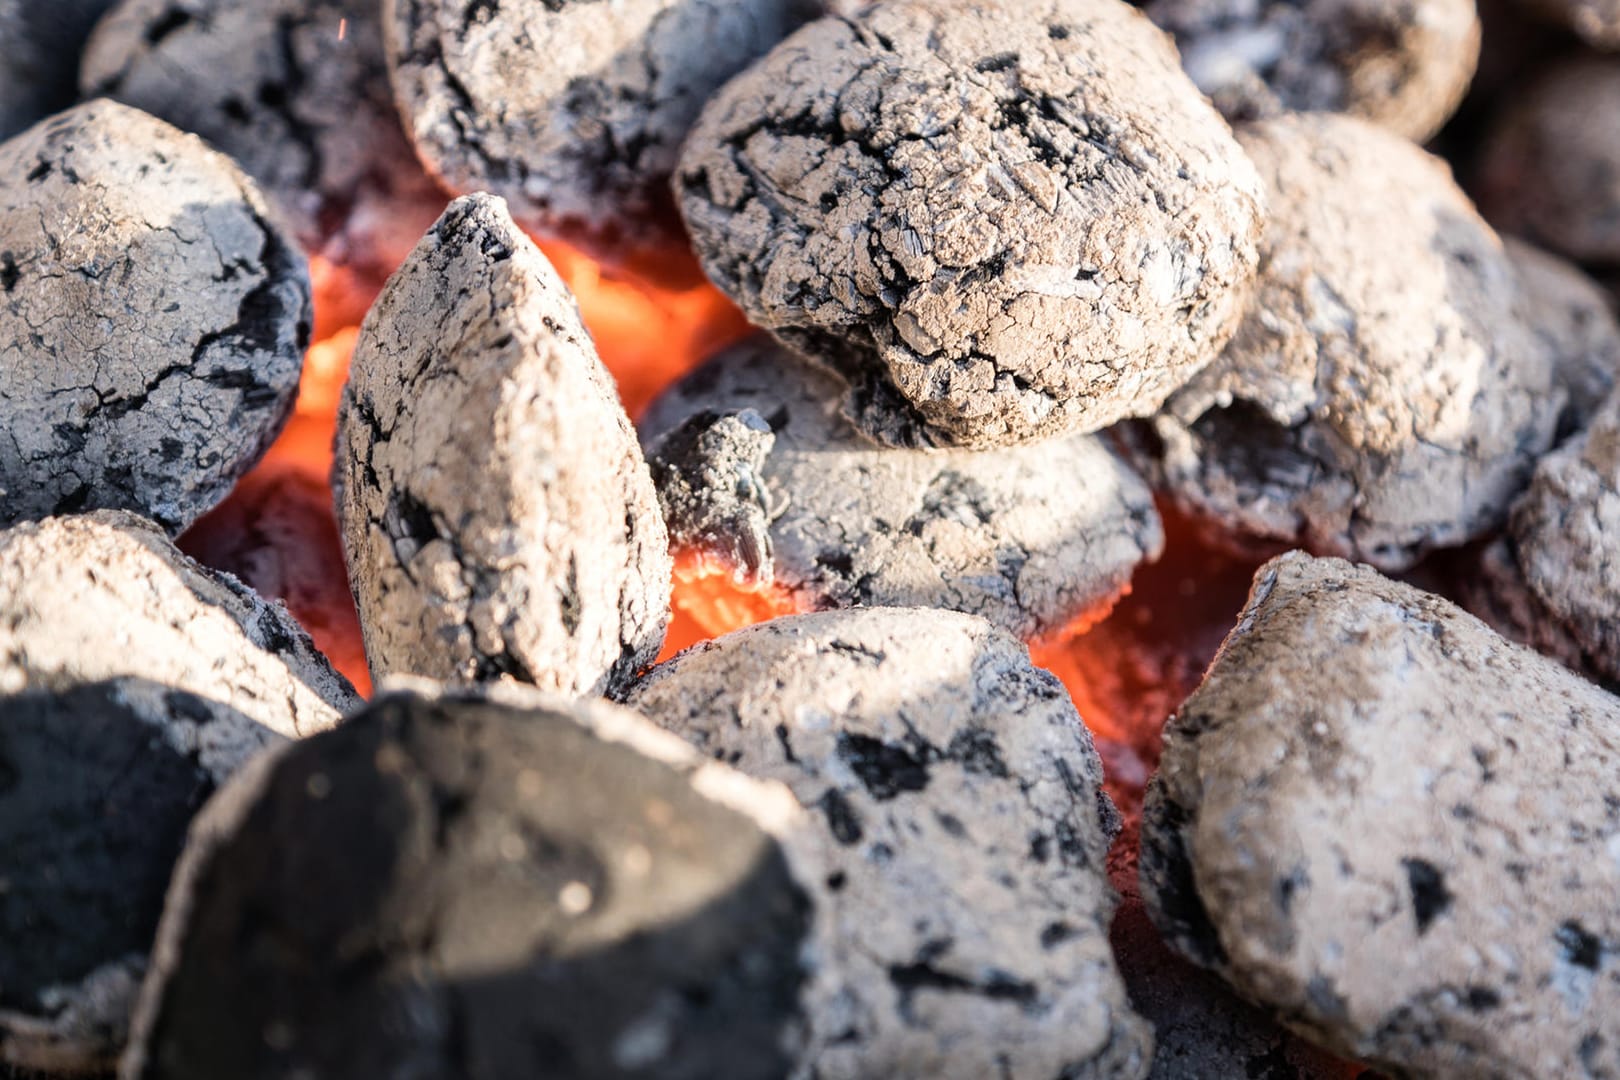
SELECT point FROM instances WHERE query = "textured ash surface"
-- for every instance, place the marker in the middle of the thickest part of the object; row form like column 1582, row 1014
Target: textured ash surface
column 1550, row 166
column 1384, row 395
column 456, row 888
column 1404, row 64
column 1574, row 319
column 963, row 824
column 498, row 517
column 1398, row 831
column 1029, row 537
column 307, row 112
column 87, row 599
column 97, row 785
column 998, row 220
column 40, row 42
column 583, row 142
column 152, row 319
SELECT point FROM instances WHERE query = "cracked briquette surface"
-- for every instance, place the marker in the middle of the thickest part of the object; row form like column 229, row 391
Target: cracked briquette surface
column 1573, row 318
column 498, row 517
column 454, row 886
column 1030, row 537
column 998, row 221
column 153, row 319
column 1397, row 831
column 963, row 826
column 297, row 92
column 40, row 41
column 106, row 595
column 97, row 785
column 1404, row 64
column 1597, row 22
column 581, row 144
column 1550, row 165
column 1385, row 394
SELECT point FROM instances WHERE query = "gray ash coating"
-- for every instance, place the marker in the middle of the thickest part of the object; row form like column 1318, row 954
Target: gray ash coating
column 1573, row 318
column 1386, row 394
column 1549, row 167
column 757, row 467
column 297, row 92
column 581, row 143
column 153, row 319
column 1396, row 831
column 963, row 825
column 97, row 785
column 456, row 888
column 998, row 221
column 1403, row 64
column 498, row 518
column 40, row 41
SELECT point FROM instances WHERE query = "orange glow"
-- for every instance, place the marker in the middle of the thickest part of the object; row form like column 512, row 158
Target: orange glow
column 709, row 601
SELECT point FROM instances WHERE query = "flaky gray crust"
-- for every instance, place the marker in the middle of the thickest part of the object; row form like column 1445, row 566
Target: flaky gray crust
column 153, row 319
column 497, row 515
column 999, row 221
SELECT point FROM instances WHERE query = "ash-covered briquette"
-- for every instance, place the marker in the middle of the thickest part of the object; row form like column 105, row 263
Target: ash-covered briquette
column 454, row 886
column 1597, row 22
column 1574, row 321
column 40, row 41
column 153, row 319
column 1397, row 831
column 106, row 595
column 757, row 468
column 963, row 825
column 97, row 785
column 1385, row 394
column 297, row 92
column 1403, row 64
column 1550, row 165
column 497, row 514
column 571, row 110
column 998, row 220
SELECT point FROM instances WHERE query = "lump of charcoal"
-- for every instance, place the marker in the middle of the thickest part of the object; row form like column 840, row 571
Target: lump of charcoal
column 1030, row 537
column 457, row 886
column 998, row 221
column 1550, row 166
column 296, row 91
column 103, row 596
column 1597, row 22
column 97, row 785
column 1397, row 831
column 497, row 514
column 40, row 41
column 1573, row 319
column 963, row 825
column 583, row 143
column 1403, row 64
column 153, row 319
column 1384, row 394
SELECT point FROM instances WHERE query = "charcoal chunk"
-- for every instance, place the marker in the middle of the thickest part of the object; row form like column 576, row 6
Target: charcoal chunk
column 460, row 885
column 498, row 518
column 153, row 320
column 962, row 810
column 1385, row 394
column 1032, row 538
column 1444, row 807
column 40, row 41
column 1596, row 22
column 998, row 221
column 1574, row 320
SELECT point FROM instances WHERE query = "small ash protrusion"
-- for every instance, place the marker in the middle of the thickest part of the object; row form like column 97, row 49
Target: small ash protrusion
column 457, row 884
column 962, row 820
column 571, row 110
column 297, row 92
column 153, row 319
column 106, row 595
column 1030, row 537
column 1550, row 165
column 998, row 221
column 498, row 517
column 40, row 42
column 1574, row 319
column 97, row 785
column 1403, row 64
column 1397, row 831
column 1385, row 394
